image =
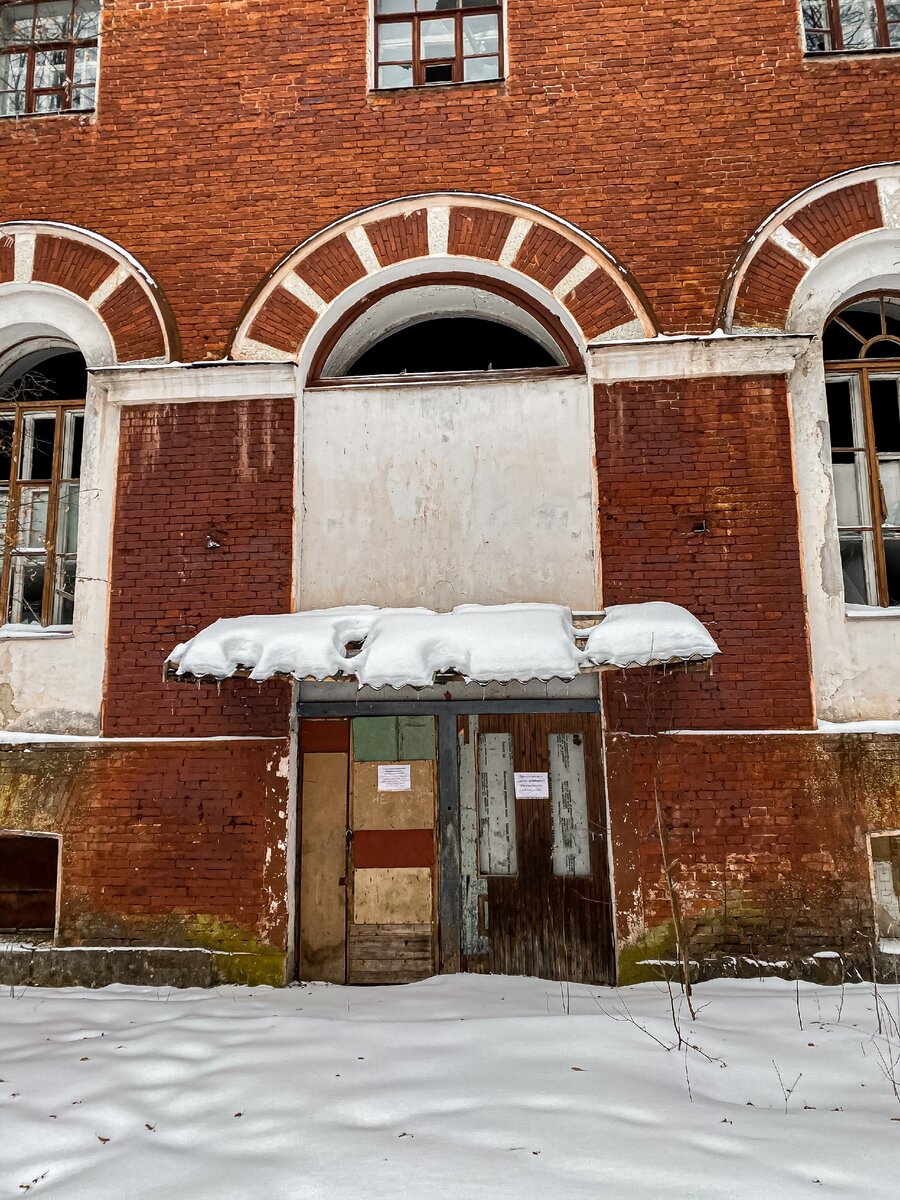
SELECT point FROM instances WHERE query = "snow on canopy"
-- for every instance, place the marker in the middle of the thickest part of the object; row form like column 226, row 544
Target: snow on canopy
column 638, row 635
column 410, row 646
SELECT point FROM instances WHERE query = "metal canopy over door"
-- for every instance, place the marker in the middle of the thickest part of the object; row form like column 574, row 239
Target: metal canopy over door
column 535, row 877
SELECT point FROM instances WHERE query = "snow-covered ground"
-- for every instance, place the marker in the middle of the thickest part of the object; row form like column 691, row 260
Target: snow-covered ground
column 457, row 1087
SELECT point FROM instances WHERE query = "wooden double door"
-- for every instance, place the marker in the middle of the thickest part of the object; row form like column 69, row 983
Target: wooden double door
column 523, row 834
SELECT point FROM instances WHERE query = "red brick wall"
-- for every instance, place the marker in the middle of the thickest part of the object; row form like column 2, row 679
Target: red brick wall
column 672, row 458
column 767, row 835
column 229, row 131
column 169, row 843
column 203, row 530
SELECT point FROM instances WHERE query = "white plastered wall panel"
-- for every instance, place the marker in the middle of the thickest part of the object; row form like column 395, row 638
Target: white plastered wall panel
column 443, row 494
column 854, row 658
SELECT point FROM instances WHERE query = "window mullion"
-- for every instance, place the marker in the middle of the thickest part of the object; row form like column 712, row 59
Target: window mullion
column 881, row 19
column 52, row 513
column 837, row 29
column 12, row 517
column 458, row 61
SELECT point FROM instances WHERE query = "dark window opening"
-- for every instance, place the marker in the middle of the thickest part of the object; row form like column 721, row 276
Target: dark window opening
column 862, row 367
column 28, row 872
column 452, row 344
column 437, row 41
column 851, row 25
column 48, row 56
column 41, row 440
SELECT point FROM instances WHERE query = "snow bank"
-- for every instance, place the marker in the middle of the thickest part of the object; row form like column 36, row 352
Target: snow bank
column 461, row 1086
column 409, row 646
column 636, row 635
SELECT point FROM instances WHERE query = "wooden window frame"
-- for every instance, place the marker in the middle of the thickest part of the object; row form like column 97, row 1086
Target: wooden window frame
column 862, row 369
column 459, row 59
column 53, row 558
column 834, row 33
column 33, row 47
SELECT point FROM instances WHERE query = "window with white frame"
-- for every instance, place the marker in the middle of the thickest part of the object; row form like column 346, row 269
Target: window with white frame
column 848, row 25
column 41, row 436
column 861, row 346
column 885, row 848
column 420, row 42
column 48, row 56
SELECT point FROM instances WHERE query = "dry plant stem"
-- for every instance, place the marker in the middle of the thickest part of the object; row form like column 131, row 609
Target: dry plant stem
column 673, row 900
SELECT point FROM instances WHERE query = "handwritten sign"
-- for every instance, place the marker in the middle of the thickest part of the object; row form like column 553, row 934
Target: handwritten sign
column 394, row 778
column 532, row 785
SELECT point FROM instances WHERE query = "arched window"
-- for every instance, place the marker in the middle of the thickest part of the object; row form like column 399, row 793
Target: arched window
column 862, row 367
column 41, row 434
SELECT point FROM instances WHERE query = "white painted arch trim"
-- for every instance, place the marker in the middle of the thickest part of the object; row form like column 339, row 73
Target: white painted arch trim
column 887, row 177
column 42, row 311
column 127, row 267
column 437, row 206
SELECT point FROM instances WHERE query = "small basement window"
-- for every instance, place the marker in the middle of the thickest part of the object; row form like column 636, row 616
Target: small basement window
column 420, row 42
column 29, row 865
column 851, row 25
column 48, row 57
column 886, row 874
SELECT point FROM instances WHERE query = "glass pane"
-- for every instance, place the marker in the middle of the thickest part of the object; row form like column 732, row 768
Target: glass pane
column 496, row 806
column 851, row 489
column 859, row 24
column 395, row 42
column 15, row 23
column 50, row 68
column 481, row 68
column 73, row 438
column 12, row 104
column 31, row 529
column 886, row 414
column 839, row 344
column 85, row 64
column 815, row 14
column 892, row 562
column 26, row 590
column 481, row 34
column 49, row 102
column 840, row 412
column 437, row 38
column 395, row 6
column 13, row 69
column 894, row 33
column 53, row 21
column 395, row 77
column 38, row 436
column 87, row 19
column 435, row 5
column 82, row 99
column 858, row 561
column 889, row 472
column 7, row 429
column 568, row 805
column 816, row 43
column 67, row 519
column 63, row 593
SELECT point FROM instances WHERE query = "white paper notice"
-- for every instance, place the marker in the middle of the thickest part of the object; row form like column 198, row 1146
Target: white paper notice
column 532, row 785
column 394, row 778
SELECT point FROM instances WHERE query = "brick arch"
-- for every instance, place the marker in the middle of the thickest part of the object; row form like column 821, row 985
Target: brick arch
column 597, row 292
column 760, row 288
column 101, row 274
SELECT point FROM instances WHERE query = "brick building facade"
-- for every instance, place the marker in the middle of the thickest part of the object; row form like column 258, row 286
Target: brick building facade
column 669, row 210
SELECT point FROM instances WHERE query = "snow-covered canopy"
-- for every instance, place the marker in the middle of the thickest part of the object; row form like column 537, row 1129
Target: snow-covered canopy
column 410, row 646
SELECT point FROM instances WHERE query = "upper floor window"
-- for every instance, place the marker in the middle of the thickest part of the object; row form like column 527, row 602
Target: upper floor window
column 862, row 368
column 41, row 435
column 437, row 41
column 48, row 56
column 851, row 25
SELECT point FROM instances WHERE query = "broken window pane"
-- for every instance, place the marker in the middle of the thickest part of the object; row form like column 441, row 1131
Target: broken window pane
column 73, row 438
column 496, row 806
column 67, row 519
column 7, row 431
column 395, row 77
column 53, row 21
column 63, row 610
column 840, row 413
column 481, row 34
column 395, row 6
column 38, row 436
column 16, row 24
column 26, row 590
column 395, row 42
column 858, row 562
column 438, row 72
column 886, row 872
column 851, row 489
column 568, row 805
column 57, row 59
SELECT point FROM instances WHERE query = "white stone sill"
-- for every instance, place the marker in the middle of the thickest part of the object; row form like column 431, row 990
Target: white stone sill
column 865, row 612
column 19, row 633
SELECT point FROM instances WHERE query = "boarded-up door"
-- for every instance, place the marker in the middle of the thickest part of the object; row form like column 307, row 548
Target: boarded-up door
column 536, row 896
column 392, row 883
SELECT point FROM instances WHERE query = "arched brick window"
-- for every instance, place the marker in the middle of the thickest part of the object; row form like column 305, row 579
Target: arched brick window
column 861, row 346
column 41, row 436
